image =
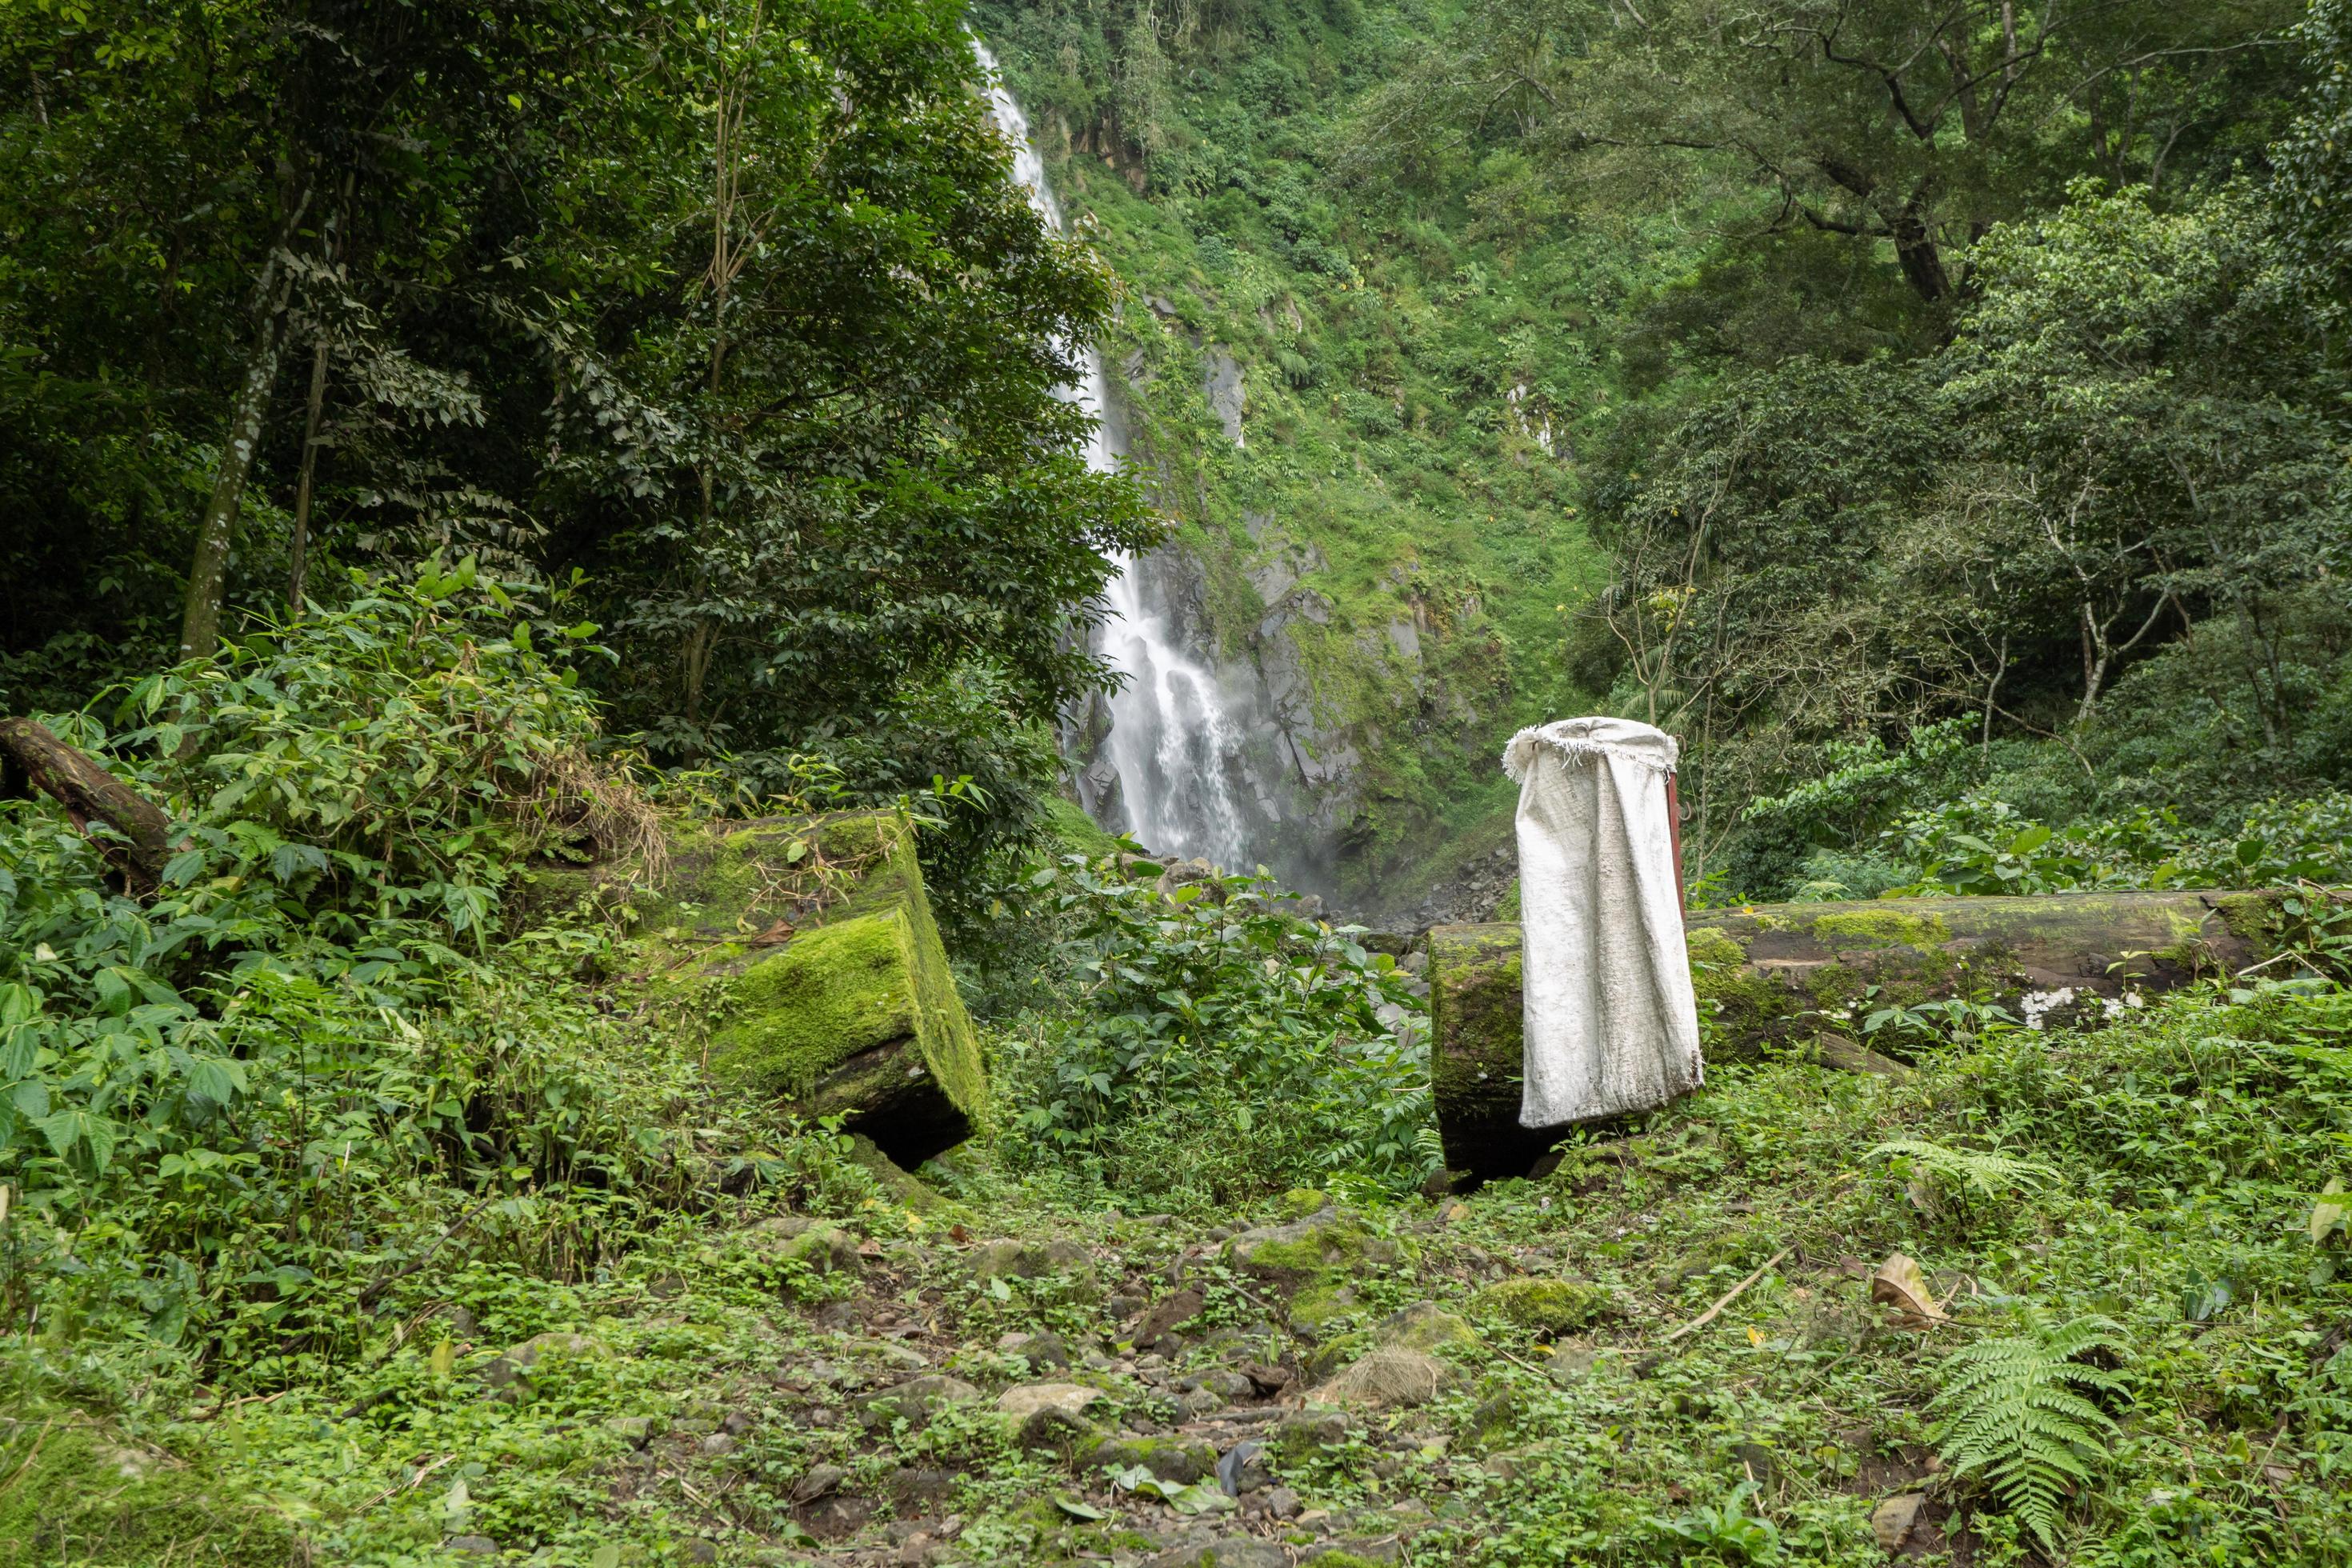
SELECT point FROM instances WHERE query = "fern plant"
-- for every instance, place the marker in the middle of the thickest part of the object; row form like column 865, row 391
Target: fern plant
column 2016, row 1411
column 1970, row 1171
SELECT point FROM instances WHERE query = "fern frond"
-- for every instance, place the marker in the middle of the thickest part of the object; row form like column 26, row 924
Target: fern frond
column 2017, row 1413
column 1988, row 1174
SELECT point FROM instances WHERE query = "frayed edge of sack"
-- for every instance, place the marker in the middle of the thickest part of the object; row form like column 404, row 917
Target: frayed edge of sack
column 1519, row 755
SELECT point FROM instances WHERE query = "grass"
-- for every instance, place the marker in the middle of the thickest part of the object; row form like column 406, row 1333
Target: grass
column 2187, row 1144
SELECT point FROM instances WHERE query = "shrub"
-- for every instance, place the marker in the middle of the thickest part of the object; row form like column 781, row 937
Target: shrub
column 1221, row 1045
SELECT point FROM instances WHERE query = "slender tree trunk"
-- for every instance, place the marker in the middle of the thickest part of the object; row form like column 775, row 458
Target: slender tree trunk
column 299, row 546
column 216, row 533
column 1992, row 689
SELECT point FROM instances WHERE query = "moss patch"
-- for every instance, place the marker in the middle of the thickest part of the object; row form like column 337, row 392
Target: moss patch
column 1875, row 927
column 1334, row 1242
column 874, row 973
column 1546, row 1306
column 78, row 1493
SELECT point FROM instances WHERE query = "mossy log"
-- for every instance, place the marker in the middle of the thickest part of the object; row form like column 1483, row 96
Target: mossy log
column 808, row 945
column 1785, row 973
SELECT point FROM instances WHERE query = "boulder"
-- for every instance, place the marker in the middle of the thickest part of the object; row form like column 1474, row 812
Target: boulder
column 1178, row 1461
column 1427, row 1327
column 1028, row 1398
column 810, row 943
column 1328, row 1241
column 1785, row 973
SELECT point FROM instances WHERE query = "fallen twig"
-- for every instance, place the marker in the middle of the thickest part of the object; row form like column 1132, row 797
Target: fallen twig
column 1704, row 1319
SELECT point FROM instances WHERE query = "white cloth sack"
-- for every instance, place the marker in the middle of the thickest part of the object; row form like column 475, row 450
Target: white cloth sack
column 1611, row 1025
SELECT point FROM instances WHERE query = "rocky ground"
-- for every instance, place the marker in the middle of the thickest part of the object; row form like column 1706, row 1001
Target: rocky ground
column 1718, row 1338
column 1315, row 1382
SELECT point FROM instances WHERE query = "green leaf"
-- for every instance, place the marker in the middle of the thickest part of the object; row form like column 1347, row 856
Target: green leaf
column 2327, row 1213
column 1077, row 1509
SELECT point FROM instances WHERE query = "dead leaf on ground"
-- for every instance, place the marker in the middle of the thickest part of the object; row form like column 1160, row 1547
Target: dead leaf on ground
column 1899, row 1284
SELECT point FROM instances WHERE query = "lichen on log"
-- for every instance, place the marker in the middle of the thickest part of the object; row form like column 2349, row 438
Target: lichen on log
column 1783, row 973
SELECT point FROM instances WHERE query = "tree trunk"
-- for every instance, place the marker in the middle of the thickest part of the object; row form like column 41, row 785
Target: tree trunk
column 88, row 793
column 299, row 546
column 1788, row 974
column 208, row 572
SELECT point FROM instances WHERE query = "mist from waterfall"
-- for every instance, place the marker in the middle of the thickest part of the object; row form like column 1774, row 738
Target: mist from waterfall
column 1172, row 742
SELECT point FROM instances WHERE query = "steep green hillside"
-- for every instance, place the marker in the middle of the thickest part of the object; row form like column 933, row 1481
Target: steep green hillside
column 1387, row 518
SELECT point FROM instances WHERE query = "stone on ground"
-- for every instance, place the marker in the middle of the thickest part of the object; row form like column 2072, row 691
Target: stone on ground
column 811, row 940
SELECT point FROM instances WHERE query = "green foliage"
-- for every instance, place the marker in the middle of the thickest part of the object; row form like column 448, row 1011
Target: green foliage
column 1218, row 1045
column 226, row 1108
column 733, row 303
column 1980, row 844
column 2017, row 1413
column 1726, row 1531
column 1982, row 1174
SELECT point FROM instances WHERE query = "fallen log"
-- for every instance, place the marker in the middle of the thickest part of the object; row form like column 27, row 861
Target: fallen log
column 1790, row 973
column 803, row 953
column 90, row 793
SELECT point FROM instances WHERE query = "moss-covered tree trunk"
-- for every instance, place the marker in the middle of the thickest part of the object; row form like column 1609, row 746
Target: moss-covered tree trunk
column 1791, row 973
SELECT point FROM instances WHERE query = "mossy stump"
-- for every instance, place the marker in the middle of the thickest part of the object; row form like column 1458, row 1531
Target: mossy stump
column 1780, row 973
column 812, row 944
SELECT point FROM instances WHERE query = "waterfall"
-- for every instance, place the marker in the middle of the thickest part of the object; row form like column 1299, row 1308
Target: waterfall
column 1173, row 743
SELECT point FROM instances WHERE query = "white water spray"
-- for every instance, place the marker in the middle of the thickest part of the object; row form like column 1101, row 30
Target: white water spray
column 1176, row 750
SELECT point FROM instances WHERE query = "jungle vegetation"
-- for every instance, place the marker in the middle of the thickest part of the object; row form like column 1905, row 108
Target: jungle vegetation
column 452, row 455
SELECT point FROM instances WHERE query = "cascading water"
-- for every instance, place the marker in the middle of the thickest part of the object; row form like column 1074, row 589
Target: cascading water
column 1172, row 743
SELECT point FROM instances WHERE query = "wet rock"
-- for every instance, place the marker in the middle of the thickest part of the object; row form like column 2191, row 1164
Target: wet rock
column 699, row 1551
column 1282, row 1503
